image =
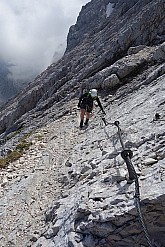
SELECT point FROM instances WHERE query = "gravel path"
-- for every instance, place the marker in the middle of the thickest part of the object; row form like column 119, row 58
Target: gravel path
column 29, row 185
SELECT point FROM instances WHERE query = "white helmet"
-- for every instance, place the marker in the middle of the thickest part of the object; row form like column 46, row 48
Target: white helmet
column 93, row 93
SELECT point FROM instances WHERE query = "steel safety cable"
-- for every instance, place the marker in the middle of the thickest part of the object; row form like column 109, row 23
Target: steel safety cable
column 127, row 155
column 137, row 203
column 138, row 206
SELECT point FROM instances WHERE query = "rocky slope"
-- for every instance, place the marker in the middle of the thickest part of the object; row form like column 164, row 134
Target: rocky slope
column 69, row 189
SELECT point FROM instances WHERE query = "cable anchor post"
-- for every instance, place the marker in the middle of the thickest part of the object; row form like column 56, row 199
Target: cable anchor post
column 127, row 155
column 104, row 120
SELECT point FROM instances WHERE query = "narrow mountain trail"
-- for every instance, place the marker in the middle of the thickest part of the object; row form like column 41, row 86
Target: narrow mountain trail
column 30, row 184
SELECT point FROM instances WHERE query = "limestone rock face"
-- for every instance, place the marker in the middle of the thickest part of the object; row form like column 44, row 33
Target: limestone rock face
column 71, row 187
column 130, row 18
column 90, row 18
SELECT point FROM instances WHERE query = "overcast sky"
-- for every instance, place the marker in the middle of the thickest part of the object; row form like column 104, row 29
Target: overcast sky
column 31, row 31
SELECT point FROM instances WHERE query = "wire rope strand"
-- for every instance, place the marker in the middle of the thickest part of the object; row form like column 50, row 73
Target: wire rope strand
column 127, row 155
column 132, row 174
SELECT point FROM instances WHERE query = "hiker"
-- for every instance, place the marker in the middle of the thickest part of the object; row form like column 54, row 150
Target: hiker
column 86, row 105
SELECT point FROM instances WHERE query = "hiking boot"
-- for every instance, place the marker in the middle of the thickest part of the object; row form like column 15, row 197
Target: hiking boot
column 81, row 123
column 86, row 122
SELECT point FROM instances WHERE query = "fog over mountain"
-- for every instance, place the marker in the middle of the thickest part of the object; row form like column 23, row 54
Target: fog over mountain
column 32, row 31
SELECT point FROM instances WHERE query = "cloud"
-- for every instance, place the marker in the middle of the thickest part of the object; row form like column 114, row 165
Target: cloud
column 32, row 31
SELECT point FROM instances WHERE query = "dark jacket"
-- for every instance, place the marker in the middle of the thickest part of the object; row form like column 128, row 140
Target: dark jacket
column 86, row 102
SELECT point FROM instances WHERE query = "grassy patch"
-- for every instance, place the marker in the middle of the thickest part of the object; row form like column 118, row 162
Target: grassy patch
column 21, row 147
column 38, row 137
